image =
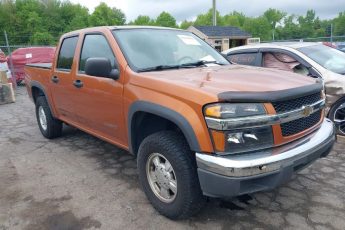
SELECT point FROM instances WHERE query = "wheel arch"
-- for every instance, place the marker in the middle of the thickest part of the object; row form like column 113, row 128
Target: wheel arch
column 37, row 90
column 166, row 119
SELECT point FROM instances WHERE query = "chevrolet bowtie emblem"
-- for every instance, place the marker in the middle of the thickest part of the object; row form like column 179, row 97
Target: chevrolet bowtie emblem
column 307, row 110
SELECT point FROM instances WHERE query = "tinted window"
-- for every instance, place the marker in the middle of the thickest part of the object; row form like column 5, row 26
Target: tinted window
column 283, row 61
column 96, row 45
column 66, row 54
column 243, row 59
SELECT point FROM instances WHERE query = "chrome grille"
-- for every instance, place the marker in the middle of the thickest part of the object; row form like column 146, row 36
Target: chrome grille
column 289, row 105
column 299, row 125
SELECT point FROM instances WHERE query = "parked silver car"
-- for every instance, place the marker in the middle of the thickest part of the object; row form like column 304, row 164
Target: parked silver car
column 312, row 59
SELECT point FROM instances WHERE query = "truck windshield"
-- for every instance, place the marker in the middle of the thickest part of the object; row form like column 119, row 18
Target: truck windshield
column 329, row 58
column 160, row 49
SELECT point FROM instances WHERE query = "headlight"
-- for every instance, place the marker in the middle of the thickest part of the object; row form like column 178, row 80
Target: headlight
column 223, row 110
column 238, row 139
column 242, row 140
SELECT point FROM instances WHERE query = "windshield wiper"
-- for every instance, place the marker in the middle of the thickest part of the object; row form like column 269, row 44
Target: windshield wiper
column 200, row 63
column 185, row 65
column 159, row 67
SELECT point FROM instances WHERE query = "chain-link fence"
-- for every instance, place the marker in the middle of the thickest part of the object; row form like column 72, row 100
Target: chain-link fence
column 9, row 66
column 14, row 67
column 334, row 40
column 6, row 66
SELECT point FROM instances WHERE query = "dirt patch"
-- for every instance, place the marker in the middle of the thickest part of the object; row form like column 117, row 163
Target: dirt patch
column 46, row 215
column 9, row 193
column 15, row 140
column 66, row 220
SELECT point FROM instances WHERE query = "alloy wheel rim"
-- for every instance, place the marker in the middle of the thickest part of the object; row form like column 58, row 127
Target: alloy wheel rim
column 42, row 118
column 339, row 118
column 161, row 177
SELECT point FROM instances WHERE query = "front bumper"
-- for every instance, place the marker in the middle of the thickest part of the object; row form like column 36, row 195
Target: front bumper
column 232, row 175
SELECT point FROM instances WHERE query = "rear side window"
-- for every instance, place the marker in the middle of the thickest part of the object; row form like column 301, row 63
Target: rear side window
column 243, row 59
column 66, row 54
column 96, row 45
column 283, row 61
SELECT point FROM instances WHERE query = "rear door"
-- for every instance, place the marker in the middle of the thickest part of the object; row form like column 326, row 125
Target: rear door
column 61, row 82
column 98, row 100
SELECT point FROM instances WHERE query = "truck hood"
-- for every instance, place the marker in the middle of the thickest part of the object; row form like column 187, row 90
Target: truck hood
column 217, row 80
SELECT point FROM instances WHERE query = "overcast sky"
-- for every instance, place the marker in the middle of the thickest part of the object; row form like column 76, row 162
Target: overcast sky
column 184, row 9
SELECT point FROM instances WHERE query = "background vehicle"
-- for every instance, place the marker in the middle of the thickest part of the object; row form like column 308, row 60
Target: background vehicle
column 309, row 59
column 22, row 56
column 198, row 125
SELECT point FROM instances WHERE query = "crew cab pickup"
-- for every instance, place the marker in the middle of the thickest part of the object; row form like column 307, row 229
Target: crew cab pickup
column 198, row 125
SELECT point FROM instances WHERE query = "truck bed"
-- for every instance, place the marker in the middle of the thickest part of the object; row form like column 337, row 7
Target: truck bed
column 38, row 72
column 40, row 65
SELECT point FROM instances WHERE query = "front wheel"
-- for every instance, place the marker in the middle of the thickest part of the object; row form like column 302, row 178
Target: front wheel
column 49, row 126
column 337, row 115
column 168, row 175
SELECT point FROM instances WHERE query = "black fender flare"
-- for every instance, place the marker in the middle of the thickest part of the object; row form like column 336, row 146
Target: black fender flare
column 40, row 86
column 167, row 113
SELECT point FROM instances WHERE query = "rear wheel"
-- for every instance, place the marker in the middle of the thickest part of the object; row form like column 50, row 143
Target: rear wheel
column 49, row 126
column 168, row 175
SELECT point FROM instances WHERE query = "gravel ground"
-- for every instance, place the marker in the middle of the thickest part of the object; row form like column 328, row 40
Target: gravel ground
column 80, row 182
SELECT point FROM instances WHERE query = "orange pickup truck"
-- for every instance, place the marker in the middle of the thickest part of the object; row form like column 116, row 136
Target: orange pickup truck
column 198, row 125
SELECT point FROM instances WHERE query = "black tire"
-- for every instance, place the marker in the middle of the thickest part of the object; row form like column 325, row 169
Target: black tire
column 173, row 146
column 331, row 115
column 53, row 126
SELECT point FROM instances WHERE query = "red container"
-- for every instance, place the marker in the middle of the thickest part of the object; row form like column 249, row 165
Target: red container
column 22, row 56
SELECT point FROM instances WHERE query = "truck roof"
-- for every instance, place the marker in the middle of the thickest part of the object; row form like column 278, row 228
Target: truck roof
column 119, row 28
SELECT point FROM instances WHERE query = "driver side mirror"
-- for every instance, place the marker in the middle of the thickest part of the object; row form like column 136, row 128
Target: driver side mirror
column 101, row 67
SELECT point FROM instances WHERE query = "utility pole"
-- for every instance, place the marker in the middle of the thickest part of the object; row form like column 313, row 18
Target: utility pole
column 331, row 39
column 214, row 13
column 11, row 63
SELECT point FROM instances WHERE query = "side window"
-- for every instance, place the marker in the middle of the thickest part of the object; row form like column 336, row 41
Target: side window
column 96, row 45
column 283, row 61
column 65, row 59
column 243, row 59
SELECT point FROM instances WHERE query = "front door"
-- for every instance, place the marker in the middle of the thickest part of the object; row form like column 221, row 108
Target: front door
column 98, row 100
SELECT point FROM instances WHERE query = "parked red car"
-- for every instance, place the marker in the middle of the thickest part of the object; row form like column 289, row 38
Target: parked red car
column 22, row 56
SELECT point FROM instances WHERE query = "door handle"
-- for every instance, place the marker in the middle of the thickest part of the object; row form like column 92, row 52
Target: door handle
column 55, row 79
column 78, row 83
